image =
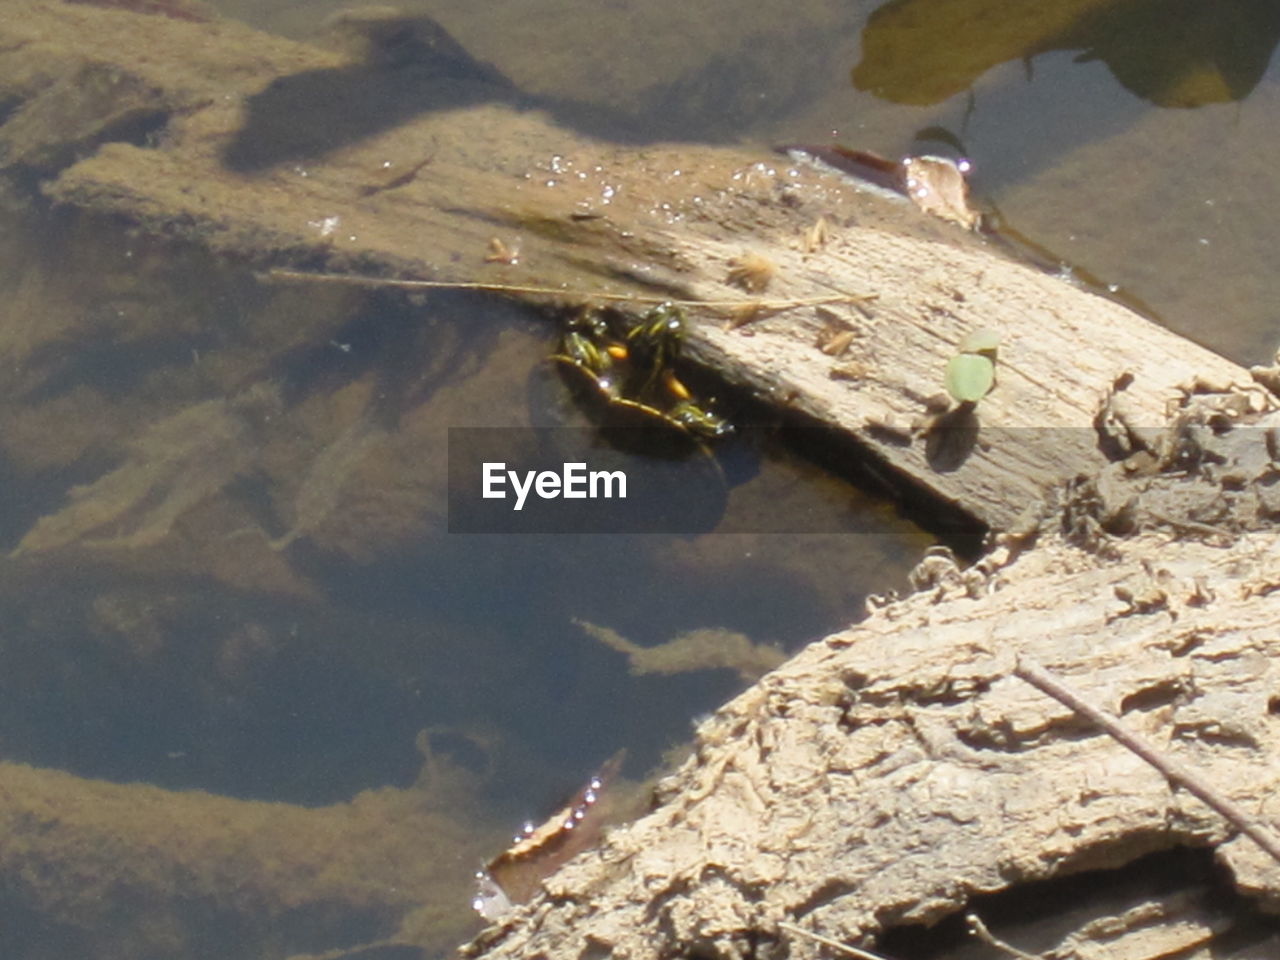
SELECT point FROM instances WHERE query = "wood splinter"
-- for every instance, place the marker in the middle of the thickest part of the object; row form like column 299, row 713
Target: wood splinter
column 844, row 948
column 979, row 929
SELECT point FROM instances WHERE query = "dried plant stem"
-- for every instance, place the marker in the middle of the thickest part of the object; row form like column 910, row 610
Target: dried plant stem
column 828, row 942
column 1174, row 772
column 351, row 279
column 979, row 930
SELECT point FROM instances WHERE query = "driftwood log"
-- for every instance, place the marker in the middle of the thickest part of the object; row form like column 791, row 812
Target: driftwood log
column 893, row 774
column 889, row 775
column 905, row 770
column 204, row 139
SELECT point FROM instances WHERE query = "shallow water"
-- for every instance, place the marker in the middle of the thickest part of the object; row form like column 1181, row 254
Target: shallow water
column 232, row 569
column 261, row 598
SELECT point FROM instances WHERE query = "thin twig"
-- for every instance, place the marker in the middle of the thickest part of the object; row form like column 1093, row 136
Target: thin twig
column 979, row 930
column 1174, row 772
column 351, row 279
column 1193, row 526
column 828, row 942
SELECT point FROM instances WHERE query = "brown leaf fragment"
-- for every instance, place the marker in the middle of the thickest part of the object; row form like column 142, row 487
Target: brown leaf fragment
column 836, row 343
column 499, row 252
column 837, row 332
column 937, row 185
column 516, row 874
column 752, row 272
column 742, row 315
column 817, row 235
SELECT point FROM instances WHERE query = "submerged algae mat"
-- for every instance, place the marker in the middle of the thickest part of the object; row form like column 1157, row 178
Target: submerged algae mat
column 116, row 871
column 167, row 618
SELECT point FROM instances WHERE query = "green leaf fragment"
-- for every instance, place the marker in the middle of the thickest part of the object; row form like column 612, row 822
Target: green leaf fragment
column 970, row 377
column 985, row 341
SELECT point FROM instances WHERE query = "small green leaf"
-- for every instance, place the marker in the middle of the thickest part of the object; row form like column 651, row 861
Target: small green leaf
column 985, row 341
column 970, row 377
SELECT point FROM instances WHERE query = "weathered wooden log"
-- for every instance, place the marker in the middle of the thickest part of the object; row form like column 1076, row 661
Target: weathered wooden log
column 889, row 775
column 886, row 777
column 894, row 774
column 202, row 138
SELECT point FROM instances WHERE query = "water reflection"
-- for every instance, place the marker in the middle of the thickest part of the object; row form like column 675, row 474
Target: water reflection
column 1173, row 53
column 408, row 65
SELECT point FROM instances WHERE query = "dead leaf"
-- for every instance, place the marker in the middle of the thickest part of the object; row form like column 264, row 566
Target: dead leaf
column 937, row 186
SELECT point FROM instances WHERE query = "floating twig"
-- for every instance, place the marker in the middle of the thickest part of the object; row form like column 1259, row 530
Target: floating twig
column 979, row 930
column 1174, row 772
column 828, row 942
column 356, row 280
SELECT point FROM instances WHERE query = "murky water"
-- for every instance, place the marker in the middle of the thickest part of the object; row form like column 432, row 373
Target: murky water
column 232, row 569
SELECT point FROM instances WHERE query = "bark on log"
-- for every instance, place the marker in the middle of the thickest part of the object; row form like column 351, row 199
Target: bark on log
column 896, row 773
column 216, row 155
column 890, row 774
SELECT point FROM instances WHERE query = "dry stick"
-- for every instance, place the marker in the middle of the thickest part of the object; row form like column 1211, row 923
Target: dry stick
column 828, row 942
column 352, row 279
column 1173, row 771
column 979, row 930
